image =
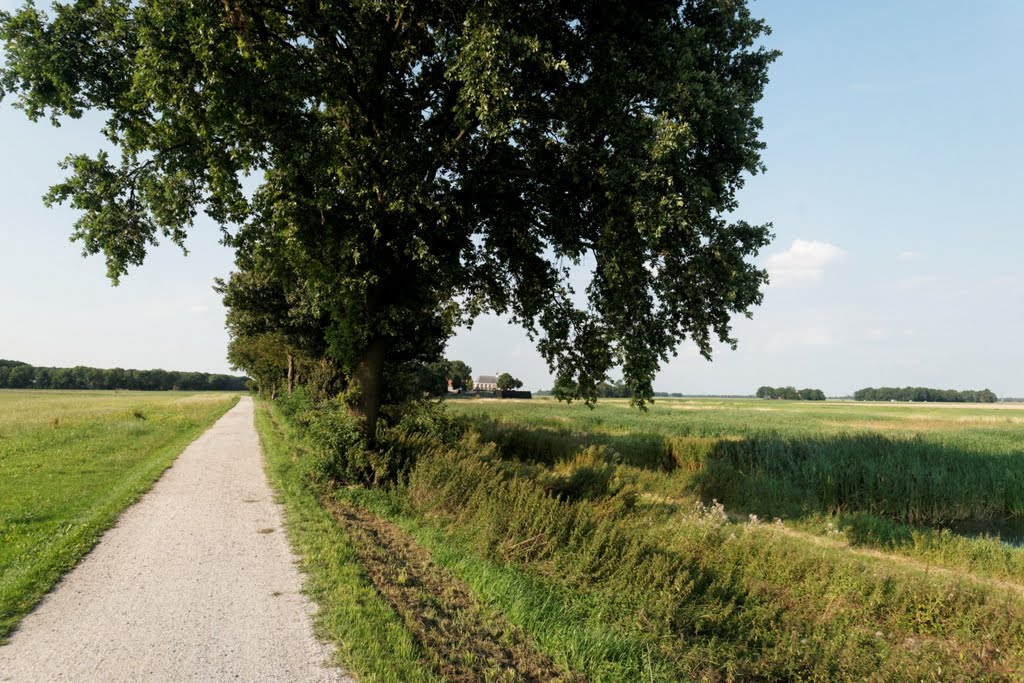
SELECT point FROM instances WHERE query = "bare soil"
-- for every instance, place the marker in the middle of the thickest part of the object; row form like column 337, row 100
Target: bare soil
column 466, row 642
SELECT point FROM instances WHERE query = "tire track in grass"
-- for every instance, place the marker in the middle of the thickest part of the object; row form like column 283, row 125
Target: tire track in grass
column 467, row 642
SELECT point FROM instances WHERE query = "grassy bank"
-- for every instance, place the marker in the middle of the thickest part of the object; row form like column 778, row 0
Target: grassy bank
column 70, row 462
column 589, row 531
column 371, row 639
column 872, row 475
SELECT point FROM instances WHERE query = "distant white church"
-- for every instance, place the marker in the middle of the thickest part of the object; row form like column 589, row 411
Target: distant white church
column 486, row 383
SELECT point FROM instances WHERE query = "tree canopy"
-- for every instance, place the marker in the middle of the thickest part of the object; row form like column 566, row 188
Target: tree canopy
column 790, row 393
column 420, row 163
column 925, row 394
column 506, row 382
column 18, row 375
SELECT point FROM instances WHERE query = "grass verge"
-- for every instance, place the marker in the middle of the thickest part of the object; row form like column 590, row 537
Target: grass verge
column 70, row 463
column 598, row 549
column 372, row 641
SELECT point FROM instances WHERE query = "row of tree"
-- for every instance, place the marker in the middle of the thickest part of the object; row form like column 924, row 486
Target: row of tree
column 407, row 153
column 791, row 393
column 18, row 375
column 924, row 394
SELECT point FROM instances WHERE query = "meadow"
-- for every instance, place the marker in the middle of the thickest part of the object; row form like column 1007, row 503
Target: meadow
column 700, row 540
column 70, row 462
column 919, row 464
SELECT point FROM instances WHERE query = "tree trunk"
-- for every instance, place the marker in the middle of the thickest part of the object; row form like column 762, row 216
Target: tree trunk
column 368, row 382
column 291, row 368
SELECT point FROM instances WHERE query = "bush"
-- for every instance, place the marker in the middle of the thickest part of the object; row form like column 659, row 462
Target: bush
column 295, row 403
column 338, row 449
column 586, row 476
column 339, row 452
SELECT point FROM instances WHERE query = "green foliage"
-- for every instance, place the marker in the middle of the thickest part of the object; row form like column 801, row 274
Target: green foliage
column 17, row 375
column 372, row 642
column 421, row 164
column 695, row 588
column 911, row 480
column 338, row 449
column 507, row 382
column 924, row 394
column 791, row 394
column 461, row 375
column 934, row 467
column 587, row 529
column 432, row 378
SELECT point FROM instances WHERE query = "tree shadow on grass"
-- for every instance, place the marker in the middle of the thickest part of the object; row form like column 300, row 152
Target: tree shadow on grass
column 549, row 446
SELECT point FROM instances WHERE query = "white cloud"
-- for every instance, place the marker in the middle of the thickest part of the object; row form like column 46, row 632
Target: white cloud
column 910, row 256
column 804, row 262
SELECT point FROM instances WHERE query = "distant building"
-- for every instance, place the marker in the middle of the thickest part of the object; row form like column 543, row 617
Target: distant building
column 486, row 383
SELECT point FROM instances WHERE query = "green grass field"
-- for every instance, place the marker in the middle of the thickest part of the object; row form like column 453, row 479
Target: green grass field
column 70, row 462
column 728, row 540
column 923, row 465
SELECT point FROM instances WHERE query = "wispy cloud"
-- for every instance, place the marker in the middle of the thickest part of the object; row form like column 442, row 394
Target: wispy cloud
column 803, row 263
column 800, row 337
column 909, row 255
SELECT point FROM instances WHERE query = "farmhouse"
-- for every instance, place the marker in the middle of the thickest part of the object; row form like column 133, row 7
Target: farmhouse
column 486, row 383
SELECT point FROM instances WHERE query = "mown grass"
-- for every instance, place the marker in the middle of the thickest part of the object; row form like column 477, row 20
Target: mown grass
column 372, row 641
column 590, row 531
column 70, row 462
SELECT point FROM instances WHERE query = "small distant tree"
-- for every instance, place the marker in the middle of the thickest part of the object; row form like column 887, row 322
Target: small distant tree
column 507, row 382
column 461, row 375
column 616, row 389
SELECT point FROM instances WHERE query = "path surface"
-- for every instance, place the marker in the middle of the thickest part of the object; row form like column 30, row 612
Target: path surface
column 196, row 582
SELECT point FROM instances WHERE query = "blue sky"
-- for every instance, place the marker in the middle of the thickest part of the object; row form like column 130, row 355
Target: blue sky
column 893, row 182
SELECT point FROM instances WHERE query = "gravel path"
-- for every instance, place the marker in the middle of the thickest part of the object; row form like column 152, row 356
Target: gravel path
column 196, row 582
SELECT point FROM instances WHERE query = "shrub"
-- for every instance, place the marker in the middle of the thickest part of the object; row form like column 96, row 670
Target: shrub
column 338, row 449
column 339, row 453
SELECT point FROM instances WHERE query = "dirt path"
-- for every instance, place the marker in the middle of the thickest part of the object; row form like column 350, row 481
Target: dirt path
column 195, row 582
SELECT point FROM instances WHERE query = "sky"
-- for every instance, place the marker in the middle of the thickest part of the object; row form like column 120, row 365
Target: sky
column 893, row 183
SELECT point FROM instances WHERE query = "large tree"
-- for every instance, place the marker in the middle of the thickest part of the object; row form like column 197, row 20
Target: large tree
column 422, row 162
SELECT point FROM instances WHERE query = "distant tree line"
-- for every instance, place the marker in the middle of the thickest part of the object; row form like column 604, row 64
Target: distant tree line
column 17, row 375
column 614, row 389
column 924, row 394
column 791, row 394
column 604, row 389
